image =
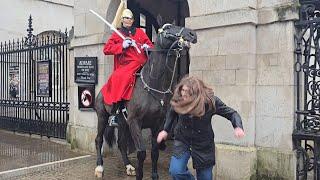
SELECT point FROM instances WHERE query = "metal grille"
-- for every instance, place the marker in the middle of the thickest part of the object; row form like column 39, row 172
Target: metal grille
column 23, row 107
column 306, row 136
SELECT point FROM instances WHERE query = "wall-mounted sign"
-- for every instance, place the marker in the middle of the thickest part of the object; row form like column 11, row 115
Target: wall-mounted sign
column 44, row 79
column 86, row 70
column 86, row 97
column 14, row 81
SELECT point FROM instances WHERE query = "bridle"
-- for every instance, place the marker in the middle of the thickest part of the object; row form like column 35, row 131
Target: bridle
column 180, row 46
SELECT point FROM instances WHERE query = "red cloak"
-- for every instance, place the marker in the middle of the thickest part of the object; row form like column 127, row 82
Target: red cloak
column 126, row 63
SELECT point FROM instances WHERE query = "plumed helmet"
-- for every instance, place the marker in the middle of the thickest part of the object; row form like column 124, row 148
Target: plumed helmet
column 127, row 13
column 117, row 19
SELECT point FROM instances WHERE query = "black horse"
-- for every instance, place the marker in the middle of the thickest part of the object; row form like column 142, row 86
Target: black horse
column 149, row 103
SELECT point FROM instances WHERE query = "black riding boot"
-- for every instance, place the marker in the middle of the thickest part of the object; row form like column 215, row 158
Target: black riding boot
column 113, row 119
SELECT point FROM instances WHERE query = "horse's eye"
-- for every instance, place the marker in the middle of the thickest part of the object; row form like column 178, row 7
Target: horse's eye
column 191, row 33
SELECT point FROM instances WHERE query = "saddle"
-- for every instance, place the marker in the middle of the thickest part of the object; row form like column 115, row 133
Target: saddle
column 120, row 107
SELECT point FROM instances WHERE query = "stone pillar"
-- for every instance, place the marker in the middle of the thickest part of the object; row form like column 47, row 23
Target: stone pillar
column 275, row 89
column 245, row 53
column 90, row 34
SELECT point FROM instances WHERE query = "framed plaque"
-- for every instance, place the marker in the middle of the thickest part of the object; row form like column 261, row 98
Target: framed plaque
column 86, row 70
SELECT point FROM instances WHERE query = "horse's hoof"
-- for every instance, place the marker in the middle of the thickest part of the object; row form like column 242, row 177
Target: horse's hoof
column 98, row 172
column 131, row 171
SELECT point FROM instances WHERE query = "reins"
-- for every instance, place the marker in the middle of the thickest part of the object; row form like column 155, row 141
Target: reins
column 178, row 55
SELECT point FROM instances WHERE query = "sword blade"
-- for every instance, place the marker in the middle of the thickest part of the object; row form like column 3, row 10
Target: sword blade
column 109, row 25
column 112, row 28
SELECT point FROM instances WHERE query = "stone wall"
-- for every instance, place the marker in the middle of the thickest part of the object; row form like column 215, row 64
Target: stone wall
column 245, row 53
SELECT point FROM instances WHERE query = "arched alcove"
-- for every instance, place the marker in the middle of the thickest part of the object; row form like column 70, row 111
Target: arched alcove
column 171, row 11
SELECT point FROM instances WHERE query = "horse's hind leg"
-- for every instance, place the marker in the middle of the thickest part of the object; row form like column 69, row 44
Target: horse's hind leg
column 122, row 144
column 102, row 122
column 140, row 146
column 154, row 155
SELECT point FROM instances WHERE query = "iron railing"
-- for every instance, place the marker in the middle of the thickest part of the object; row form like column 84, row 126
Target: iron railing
column 33, row 90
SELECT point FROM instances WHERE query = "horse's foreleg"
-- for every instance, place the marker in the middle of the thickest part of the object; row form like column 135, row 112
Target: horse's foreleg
column 140, row 146
column 99, row 141
column 154, row 156
column 141, row 155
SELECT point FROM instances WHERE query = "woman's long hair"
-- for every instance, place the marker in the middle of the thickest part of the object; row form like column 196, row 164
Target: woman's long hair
column 200, row 95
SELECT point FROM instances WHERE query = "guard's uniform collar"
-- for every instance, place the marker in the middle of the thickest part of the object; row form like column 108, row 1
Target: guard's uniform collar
column 128, row 31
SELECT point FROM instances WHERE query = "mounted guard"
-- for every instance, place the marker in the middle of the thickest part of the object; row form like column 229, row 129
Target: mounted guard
column 128, row 59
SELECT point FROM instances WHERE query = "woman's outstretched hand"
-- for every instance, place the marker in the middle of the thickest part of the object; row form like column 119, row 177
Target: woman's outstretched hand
column 162, row 136
column 238, row 132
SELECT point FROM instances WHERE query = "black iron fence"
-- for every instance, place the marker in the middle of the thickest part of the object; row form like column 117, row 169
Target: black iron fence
column 306, row 136
column 33, row 89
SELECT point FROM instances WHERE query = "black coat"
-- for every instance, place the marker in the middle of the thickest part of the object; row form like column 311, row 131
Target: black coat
column 196, row 134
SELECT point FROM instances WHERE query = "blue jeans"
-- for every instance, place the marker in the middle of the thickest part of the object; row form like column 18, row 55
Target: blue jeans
column 179, row 170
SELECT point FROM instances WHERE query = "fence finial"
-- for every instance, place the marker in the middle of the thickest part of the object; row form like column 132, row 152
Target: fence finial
column 29, row 30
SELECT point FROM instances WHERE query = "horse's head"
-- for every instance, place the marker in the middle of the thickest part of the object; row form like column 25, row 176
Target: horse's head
column 171, row 36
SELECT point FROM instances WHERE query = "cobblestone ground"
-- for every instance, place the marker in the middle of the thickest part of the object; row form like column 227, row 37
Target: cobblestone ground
column 84, row 170
column 22, row 152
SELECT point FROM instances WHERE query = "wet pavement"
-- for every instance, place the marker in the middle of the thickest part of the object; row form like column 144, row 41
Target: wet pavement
column 26, row 158
column 17, row 151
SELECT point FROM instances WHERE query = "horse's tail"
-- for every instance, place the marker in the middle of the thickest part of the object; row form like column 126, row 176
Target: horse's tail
column 109, row 136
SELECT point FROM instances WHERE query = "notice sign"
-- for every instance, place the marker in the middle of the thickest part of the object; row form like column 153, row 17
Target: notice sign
column 86, row 97
column 14, row 81
column 86, row 70
column 44, row 78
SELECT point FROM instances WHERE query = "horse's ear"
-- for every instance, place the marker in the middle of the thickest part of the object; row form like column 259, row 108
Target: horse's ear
column 159, row 20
